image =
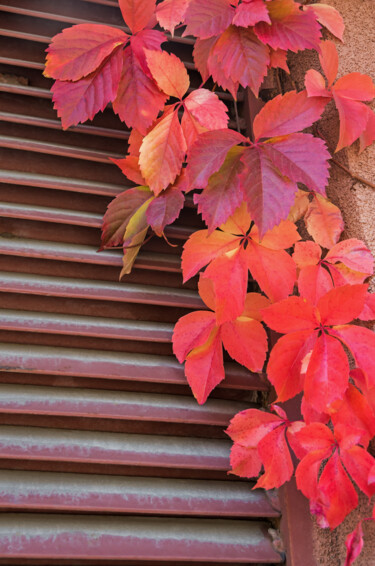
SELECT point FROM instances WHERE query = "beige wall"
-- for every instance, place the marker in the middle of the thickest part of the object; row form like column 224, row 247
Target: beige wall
column 357, row 203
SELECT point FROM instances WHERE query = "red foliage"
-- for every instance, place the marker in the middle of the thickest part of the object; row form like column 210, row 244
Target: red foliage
column 249, row 195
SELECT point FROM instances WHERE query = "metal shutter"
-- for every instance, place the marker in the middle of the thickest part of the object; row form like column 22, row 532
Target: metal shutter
column 104, row 454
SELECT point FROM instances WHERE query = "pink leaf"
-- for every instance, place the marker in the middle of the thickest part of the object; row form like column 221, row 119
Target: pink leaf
column 162, row 153
column 245, row 461
column 293, row 30
column 329, row 60
column 354, row 545
column 242, row 57
column 169, row 72
column 138, row 100
column 269, row 195
column 302, row 158
column 79, row 50
column 208, row 154
column 201, row 53
column 192, row 331
column 80, row 101
column 354, row 254
column 207, row 108
column 170, row 13
column 246, row 342
column 329, row 17
column 164, row 209
column 250, row 13
column 287, row 113
column 275, row 455
column 137, row 13
column 222, row 195
column 205, row 19
column 204, row 367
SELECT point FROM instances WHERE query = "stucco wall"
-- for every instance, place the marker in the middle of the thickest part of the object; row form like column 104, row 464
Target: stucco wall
column 357, row 203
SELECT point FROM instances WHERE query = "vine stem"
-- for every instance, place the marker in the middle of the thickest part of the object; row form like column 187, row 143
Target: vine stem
column 338, row 164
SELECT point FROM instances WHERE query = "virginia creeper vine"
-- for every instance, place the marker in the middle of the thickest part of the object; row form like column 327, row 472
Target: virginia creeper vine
column 253, row 195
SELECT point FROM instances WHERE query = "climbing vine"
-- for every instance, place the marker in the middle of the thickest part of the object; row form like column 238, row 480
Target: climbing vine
column 259, row 197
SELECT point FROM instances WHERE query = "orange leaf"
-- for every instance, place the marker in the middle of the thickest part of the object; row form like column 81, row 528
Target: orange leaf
column 324, row 221
column 169, row 72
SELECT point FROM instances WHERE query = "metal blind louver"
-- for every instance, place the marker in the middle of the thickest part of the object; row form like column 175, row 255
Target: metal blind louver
column 105, row 456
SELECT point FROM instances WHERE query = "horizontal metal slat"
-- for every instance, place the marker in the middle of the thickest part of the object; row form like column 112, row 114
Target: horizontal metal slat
column 85, row 254
column 49, row 123
column 110, row 494
column 60, row 183
column 49, row 148
column 54, row 445
column 114, row 365
column 72, row 217
column 99, row 327
column 99, row 290
column 136, row 538
column 117, row 405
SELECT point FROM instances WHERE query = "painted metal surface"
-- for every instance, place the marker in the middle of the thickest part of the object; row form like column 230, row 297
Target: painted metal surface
column 135, row 539
column 104, row 458
column 33, row 491
column 99, row 290
column 124, row 405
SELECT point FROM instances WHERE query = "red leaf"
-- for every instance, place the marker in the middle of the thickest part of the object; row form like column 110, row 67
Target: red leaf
column 248, row 427
column 291, row 28
column 313, row 282
column 354, row 254
column 286, row 114
column 315, row 84
column 354, row 545
column 274, row 453
column 354, row 115
column 246, row 342
column 285, row 363
column 170, row 13
column 358, row 463
column 278, row 59
column 192, row 331
column 204, row 367
column 146, row 39
column 250, row 13
column 329, row 17
column 342, row 305
column 164, row 209
column 368, row 312
column 245, row 461
column 130, row 167
column 201, row 53
column 268, row 195
column 215, row 69
column 191, row 128
column 242, row 57
column 119, row 213
column 222, row 195
column 368, row 135
column 208, row 154
column 207, row 108
column 338, row 492
column 205, row 19
column 80, row 101
column 138, row 100
column 324, row 221
column 202, row 247
column 280, row 237
column 137, row 13
column 314, row 438
column 306, row 254
column 329, row 60
column 354, row 411
column 78, row 51
column 361, row 343
column 162, row 153
column 229, row 275
column 302, row 158
column 327, row 374
column 169, row 72
column 273, row 270
column 291, row 315
column 254, row 304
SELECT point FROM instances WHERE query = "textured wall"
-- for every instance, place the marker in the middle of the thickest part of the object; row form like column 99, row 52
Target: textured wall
column 357, row 203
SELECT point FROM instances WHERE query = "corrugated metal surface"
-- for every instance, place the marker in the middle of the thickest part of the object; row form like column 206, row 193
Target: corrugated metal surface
column 104, row 454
